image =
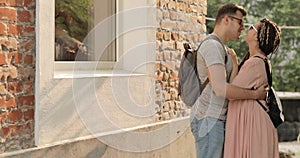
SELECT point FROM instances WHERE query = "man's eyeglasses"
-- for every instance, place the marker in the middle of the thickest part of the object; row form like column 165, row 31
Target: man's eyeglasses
column 252, row 27
column 240, row 21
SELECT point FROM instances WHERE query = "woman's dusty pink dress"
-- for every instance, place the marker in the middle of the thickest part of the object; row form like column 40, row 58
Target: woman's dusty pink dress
column 249, row 130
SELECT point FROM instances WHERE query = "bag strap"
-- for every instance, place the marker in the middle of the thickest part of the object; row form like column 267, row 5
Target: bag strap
column 269, row 75
column 213, row 37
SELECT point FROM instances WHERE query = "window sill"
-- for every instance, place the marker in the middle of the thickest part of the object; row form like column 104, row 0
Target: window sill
column 94, row 74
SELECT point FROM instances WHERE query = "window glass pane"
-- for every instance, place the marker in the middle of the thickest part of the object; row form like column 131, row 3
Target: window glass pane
column 74, row 20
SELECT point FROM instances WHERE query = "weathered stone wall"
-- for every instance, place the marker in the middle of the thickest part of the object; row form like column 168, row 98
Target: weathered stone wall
column 290, row 129
column 17, row 74
column 178, row 21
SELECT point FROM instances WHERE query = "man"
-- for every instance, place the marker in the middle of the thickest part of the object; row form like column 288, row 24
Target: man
column 209, row 112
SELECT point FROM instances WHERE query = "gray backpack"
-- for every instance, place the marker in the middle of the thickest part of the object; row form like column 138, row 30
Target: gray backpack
column 190, row 86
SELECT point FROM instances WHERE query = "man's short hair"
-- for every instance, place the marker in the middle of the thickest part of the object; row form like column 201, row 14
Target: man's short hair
column 229, row 9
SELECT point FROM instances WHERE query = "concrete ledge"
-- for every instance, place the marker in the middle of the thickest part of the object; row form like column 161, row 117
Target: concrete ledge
column 182, row 146
column 87, row 148
column 289, row 95
column 289, row 149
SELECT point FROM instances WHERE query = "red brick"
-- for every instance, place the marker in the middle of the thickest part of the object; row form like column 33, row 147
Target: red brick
column 12, row 43
column 174, row 16
column 201, row 20
column 8, row 14
column 15, row 129
column 3, row 29
column 167, row 36
column 2, row 117
column 175, row 36
column 28, row 128
column 26, row 100
column 24, row 16
column 26, row 73
column 166, row 15
column 19, row 2
column 14, row 29
column 29, row 31
column 15, row 116
column 14, row 3
column 27, row 45
column 2, row 59
column 159, row 35
column 17, row 57
column 183, row 6
column 28, row 59
column 29, row 115
column 28, row 87
column 168, row 25
column 3, row 3
column 29, row 3
column 10, row 103
column 11, row 130
column 172, row 5
column 5, row 131
column 15, row 87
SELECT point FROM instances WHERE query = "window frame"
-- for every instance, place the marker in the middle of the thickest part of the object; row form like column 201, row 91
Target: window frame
column 54, row 88
column 126, row 40
column 128, row 37
column 66, row 67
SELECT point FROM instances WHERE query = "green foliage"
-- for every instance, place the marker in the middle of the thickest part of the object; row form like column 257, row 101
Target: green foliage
column 285, row 62
column 212, row 8
column 74, row 16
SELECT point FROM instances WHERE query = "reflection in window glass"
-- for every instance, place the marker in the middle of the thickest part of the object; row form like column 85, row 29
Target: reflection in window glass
column 74, row 20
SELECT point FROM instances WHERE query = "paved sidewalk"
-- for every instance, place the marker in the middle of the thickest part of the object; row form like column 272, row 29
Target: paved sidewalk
column 290, row 146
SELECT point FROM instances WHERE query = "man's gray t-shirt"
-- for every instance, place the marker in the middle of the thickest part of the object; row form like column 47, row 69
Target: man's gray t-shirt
column 208, row 104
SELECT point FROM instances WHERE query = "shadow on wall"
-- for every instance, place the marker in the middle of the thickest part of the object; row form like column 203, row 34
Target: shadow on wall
column 88, row 149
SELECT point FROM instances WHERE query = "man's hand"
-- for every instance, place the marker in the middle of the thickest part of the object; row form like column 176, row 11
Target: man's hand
column 233, row 55
column 262, row 91
column 234, row 58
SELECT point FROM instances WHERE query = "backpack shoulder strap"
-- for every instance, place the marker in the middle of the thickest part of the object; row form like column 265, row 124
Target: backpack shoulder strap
column 214, row 37
column 269, row 75
column 269, row 78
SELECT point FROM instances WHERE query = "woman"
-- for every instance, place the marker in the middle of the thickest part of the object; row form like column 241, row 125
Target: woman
column 249, row 130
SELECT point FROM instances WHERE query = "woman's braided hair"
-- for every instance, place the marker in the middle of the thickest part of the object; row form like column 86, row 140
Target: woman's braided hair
column 268, row 36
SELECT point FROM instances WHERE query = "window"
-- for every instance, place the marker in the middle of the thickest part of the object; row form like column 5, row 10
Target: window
column 77, row 25
column 54, row 84
column 94, row 37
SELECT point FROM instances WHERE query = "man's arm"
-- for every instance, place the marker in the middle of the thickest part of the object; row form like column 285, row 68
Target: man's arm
column 234, row 92
column 217, row 77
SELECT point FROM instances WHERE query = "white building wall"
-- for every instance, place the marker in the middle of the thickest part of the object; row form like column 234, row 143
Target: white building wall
column 70, row 108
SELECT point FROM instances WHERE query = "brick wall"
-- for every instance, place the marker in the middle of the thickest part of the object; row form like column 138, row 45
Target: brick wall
column 178, row 21
column 17, row 74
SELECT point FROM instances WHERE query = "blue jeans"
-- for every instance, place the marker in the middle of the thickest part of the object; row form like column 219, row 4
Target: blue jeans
column 209, row 137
